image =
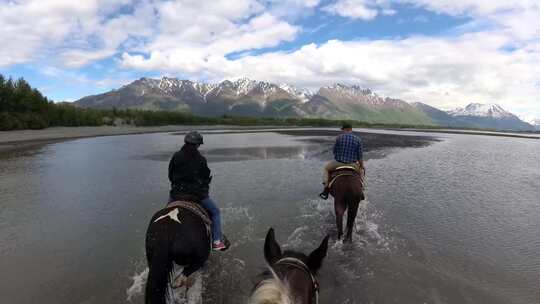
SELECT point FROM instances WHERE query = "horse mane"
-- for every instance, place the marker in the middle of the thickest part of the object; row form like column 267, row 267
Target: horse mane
column 271, row 291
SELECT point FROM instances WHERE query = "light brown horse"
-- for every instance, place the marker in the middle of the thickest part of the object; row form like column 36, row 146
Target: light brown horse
column 348, row 191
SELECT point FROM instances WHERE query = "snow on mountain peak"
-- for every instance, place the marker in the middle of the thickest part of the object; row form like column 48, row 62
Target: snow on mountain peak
column 303, row 94
column 481, row 110
column 531, row 120
column 354, row 90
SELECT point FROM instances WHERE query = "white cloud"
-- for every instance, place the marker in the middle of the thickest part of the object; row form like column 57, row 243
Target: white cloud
column 78, row 33
column 494, row 58
column 471, row 7
column 199, row 44
column 356, row 9
column 35, row 29
column 432, row 70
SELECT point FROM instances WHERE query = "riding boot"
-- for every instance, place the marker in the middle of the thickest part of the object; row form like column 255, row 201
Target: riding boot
column 324, row 194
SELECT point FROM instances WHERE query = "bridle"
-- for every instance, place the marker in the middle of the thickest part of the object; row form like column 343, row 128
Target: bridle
column 298, row 264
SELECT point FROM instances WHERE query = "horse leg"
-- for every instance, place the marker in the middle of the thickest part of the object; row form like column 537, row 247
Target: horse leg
column 351, row 217
column 185, row 278
column 339, row 207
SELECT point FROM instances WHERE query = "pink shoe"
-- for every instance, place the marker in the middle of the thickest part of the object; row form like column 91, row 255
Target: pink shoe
column 218, row 246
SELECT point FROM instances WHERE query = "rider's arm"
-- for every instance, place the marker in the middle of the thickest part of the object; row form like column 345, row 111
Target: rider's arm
column 205, row 172
column 171, row 167
column 361, row 156
column 360, row 152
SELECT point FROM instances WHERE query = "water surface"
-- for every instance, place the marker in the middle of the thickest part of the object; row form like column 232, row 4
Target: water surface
column 456, row 221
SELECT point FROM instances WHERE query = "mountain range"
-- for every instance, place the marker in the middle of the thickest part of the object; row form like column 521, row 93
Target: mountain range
column 246, row 97
column 476, row 115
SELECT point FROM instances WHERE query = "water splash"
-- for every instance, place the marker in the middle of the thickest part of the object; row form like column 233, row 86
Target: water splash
column 295, row 239
column 136, row 288
column 176, row 296
column 193, row 295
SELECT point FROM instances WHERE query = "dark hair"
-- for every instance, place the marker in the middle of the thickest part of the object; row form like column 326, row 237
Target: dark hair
column 346, row 125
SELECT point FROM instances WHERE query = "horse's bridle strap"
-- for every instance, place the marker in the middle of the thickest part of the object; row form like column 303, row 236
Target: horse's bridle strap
column 299, row 264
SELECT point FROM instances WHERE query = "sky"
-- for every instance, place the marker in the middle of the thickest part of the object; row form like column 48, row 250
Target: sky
column 445, row 53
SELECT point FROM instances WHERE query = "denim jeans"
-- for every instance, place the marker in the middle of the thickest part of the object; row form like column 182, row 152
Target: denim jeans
column 210, row 206
column 215, row 215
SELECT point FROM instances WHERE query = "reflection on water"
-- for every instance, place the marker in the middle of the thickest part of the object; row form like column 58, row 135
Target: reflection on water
column 454, row 222
column 305, row 146
column 251, row 153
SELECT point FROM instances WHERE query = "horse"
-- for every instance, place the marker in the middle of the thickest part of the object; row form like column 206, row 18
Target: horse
column 176, row 234
column 347, row 188
column 291, row 276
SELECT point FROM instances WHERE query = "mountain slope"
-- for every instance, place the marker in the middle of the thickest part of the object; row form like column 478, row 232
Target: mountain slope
column 352, row 102
column 257, row 98
column 246, row 97
column 490, row 116
column 440, row 117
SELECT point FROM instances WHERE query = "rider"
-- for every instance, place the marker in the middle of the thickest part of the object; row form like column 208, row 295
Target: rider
column 347, row 152
column 189, row 175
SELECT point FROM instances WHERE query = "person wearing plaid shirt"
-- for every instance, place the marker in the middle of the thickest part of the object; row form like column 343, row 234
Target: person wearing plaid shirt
column 347, row 151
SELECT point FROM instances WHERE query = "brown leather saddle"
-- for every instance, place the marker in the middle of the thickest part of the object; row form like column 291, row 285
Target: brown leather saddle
column 344, row 170
column 196, row 209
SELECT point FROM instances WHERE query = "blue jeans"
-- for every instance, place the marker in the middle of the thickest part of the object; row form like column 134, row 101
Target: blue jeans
column 215, row 215
column 210, row 206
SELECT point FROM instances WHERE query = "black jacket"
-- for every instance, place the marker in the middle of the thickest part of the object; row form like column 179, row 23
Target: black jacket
column 189, row 173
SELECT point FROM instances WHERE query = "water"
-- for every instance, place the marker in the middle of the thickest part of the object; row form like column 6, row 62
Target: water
column 454, row 222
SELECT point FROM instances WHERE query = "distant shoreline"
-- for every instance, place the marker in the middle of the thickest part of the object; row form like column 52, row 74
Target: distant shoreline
column 23, row 139
column 473, row 132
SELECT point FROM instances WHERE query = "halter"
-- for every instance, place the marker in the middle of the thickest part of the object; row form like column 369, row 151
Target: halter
column 298, row 264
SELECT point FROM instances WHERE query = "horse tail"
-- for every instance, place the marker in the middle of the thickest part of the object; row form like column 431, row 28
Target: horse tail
column 159, row 275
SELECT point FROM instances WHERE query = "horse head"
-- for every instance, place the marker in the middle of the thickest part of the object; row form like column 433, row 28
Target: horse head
column 293, row 274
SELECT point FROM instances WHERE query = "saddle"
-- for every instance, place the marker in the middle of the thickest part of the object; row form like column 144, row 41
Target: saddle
column 344, row 170
column 196, row 209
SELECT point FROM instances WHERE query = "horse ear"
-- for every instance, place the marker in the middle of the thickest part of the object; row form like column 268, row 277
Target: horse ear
column 272, row 251
column 316, row 257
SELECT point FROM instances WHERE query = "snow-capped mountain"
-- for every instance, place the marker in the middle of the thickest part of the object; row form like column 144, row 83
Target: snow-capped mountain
column 535, row 122
column 303, row 94
column 352, row 94
column 477, row 115
column 247, row 97
column 482, row 110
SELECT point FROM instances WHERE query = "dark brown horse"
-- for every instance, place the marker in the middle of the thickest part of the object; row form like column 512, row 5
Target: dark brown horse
column 347, row 190
column 291, row 277
column 174, row 235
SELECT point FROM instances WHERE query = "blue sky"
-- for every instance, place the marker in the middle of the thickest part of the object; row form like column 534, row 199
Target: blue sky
column 445, row 53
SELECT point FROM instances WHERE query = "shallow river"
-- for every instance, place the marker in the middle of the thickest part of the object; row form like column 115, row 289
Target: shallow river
column 457, row 221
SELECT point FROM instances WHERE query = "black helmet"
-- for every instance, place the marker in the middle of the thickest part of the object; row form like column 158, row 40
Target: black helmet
column 194, row 138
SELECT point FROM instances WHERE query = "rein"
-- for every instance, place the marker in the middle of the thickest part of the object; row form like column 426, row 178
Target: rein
column 298, row 264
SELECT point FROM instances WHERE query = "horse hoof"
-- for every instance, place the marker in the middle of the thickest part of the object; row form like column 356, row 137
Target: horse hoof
column 180, row 281
column 183, row 281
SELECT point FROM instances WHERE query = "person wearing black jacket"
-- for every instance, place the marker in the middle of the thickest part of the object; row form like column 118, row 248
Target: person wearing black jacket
column 189, row 175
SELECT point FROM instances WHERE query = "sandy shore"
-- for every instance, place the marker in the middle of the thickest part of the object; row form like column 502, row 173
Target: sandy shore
column 21, row 139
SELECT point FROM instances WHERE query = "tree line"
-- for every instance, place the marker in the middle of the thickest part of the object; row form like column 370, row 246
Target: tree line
column 24, row 107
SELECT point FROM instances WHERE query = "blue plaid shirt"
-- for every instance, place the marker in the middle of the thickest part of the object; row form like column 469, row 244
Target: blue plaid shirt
column 348, row 148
